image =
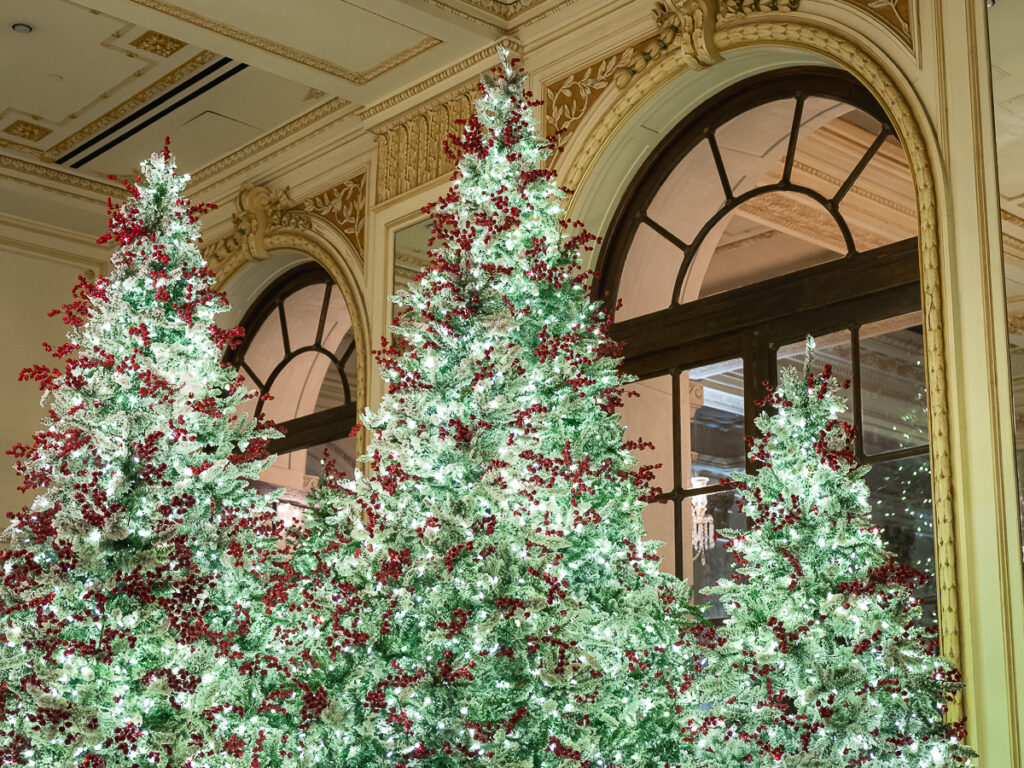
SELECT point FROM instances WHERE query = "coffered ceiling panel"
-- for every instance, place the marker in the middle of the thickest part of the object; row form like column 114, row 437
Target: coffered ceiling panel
column 338, row 32
column 90, row 87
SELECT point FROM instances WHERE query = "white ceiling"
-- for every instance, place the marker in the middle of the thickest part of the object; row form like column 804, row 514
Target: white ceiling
column 97, row 84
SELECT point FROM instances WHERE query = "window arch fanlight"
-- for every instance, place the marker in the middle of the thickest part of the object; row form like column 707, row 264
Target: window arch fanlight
column 782, row 207
column 300, row 350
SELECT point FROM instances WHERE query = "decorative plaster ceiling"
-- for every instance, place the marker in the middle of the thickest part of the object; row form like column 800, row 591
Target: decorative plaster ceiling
column 97, row 84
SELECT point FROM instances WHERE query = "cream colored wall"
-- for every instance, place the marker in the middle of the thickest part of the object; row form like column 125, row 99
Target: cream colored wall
column 31, row 285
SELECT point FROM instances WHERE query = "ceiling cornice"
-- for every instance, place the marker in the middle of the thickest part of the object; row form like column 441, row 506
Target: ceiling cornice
column 60, row 177
column 469, row 63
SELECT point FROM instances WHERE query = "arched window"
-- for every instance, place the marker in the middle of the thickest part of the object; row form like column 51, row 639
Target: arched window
column 783, row 207
column 299, row 349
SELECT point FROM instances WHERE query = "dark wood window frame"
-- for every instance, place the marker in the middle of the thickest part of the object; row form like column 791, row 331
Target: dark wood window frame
column 753, row 321
column 315, row 428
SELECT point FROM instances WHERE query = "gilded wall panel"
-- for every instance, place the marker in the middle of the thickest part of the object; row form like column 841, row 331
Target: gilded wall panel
column 344, row 206
column 567, row 100
column 411, row 148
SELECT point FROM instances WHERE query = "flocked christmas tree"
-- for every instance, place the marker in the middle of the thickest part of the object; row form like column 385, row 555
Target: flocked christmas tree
column 824, row 661
column 486, row 597
column 132, row 626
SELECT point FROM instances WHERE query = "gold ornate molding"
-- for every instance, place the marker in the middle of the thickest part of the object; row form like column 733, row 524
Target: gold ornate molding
column 689, row 27
column 58, row 176
column 754, row 29
column 410, row 149
column 258, row 211
column 480, row 56
column 287, row 52
column 505, row 9
column 566, row 101
column 344, row 206
column 157, row 43
column 28, row 131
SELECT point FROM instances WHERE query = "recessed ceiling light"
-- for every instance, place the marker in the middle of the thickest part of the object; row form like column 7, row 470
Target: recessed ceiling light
column 22, row 27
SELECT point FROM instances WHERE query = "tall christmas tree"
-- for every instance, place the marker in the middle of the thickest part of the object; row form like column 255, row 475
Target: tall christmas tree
column 486, row 597
column 130, row 611
column 824, row 662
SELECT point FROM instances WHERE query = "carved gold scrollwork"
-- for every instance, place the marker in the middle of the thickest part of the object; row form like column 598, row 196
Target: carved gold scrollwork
column 410, row 150
column 690, row 27
column 257, row 211
column 344, row 206
column 698, row 22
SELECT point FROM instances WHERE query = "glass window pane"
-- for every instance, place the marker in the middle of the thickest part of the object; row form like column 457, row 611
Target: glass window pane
column 690, row 195
column 649, row 275
column 894, row 395
column 341, row 451
column 712, row 403
column 267, row 347
column 302, row 315
column 338, row 322
column 753, row 145
column 347, row 347
column 296, row 473
column 648, row 416
column 659, row 525
column 770, row 235
column 411, row 252
column 880, row 207
column 297, row 387
column 707, row 516
column 833, row 138
column 901, row 506
column 332, row 390
column 831, row 349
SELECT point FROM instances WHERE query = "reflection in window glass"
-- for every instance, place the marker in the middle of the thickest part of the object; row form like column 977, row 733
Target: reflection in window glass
column 341, row 451
column 833, row 138
column 901, row 506
column 296, row 388
column 772, row 234
column 655, row 262
column 714, row 410
column 881, row 206
column 690, row 195
column 894, row 395
column 830, row 349
column 721, row 512
column 659, row 525
column 412, row 252
column 753, row 144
